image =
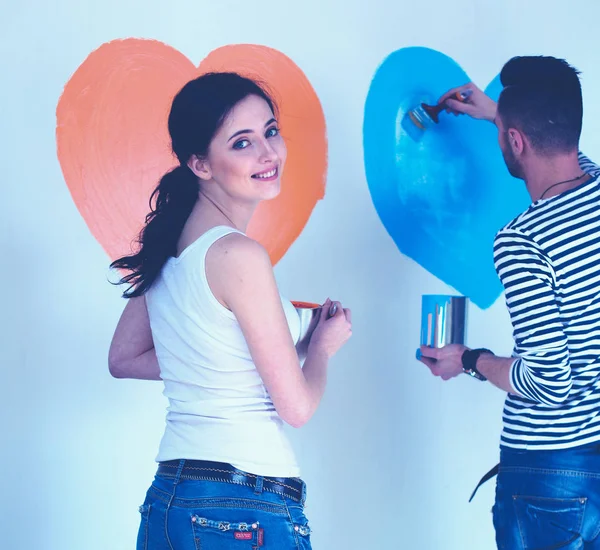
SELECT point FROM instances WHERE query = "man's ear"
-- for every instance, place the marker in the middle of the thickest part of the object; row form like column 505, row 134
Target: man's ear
column 516, row 141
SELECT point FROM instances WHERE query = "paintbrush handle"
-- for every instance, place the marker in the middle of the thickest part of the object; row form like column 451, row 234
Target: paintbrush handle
column 463, row 96
column 459, row 96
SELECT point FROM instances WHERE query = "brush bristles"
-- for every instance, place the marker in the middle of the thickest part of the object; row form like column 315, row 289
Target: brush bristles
column 416, row 121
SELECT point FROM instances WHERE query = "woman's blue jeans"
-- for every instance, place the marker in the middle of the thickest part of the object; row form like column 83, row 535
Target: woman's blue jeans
column 198, row 514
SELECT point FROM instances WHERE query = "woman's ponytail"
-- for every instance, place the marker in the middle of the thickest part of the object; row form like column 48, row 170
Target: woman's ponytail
column 173, row 200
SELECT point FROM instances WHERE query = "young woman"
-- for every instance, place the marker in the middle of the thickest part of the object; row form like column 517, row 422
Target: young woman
column 205, row 316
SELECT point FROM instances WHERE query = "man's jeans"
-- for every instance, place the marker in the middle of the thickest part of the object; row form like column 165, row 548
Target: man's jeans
column 548, row 499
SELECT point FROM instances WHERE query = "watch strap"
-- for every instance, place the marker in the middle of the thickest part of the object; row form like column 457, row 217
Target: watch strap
column 469, row 362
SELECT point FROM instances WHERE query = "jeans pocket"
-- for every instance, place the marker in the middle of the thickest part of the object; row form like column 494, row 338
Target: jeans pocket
column 548, row 523
column 218, row 534
column 301, row 528
column 142, row 538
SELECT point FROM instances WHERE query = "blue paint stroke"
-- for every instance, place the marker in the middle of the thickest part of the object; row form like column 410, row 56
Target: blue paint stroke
column 441, row 194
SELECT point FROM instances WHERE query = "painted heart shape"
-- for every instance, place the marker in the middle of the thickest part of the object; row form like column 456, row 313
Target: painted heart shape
column 113, row 144
column 441, row 197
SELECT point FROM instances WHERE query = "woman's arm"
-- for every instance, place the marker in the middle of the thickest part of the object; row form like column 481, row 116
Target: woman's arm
column 131, row 353
column 241, row 276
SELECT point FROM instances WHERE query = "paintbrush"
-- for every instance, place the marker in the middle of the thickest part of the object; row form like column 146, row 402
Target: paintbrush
column 424, row 116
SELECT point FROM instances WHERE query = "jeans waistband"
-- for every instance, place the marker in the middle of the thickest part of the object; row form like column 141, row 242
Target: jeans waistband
column 203, row 470
column 584, row 457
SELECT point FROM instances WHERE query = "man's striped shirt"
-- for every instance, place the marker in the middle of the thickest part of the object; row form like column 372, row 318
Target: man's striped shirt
column 548, row 260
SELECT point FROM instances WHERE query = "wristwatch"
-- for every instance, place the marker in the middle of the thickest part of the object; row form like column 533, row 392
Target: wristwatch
column 469, row 362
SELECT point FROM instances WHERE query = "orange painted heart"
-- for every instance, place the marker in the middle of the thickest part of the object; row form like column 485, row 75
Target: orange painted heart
column 113, row 143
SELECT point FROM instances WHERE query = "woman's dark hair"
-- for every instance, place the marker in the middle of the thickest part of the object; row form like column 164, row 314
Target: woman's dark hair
column 197, row 112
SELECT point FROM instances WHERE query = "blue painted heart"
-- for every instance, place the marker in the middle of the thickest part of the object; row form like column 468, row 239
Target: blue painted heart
column 443, row 196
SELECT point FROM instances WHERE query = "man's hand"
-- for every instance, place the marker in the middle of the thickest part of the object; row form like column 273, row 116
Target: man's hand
column 478, row 105
column 444, row 362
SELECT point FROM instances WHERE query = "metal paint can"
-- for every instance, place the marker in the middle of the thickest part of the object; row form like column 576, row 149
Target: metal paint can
column 443, row 320
column 308, row 314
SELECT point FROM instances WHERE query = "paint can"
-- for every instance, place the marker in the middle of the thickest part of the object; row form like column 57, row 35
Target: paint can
column 308, row 314
column 443, row 320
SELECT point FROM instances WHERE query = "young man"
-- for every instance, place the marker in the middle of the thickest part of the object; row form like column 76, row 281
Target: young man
column 548, row 259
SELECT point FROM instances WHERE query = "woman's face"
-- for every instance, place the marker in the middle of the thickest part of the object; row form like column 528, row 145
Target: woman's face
column 247, row 154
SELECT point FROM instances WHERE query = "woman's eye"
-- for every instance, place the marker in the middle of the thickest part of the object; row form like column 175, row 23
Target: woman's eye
column 272, row 132
column 241, row 144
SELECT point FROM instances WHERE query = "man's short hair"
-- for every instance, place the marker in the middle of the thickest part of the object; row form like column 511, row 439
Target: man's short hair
column 542, row 99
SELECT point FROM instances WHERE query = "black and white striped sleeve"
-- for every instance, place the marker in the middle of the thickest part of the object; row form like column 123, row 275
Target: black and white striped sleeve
column 588, row 166
column 542, row 372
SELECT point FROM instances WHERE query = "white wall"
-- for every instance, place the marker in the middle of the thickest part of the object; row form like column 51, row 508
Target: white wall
column 392, row 455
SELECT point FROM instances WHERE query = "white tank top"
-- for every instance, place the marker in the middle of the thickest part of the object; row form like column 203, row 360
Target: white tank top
column 219, row 408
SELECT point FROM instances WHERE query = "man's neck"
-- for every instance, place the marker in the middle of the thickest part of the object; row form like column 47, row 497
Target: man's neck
column 547, row 177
